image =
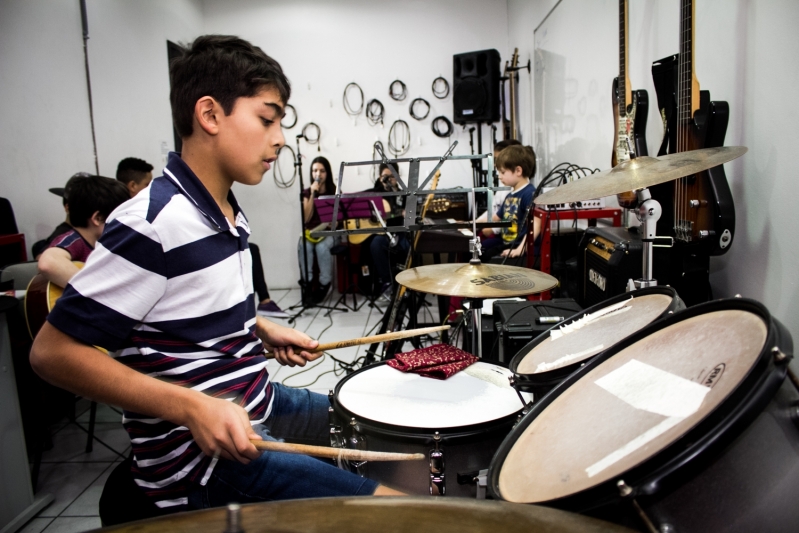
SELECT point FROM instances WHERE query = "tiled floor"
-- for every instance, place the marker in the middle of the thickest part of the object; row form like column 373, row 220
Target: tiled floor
column 76, row 478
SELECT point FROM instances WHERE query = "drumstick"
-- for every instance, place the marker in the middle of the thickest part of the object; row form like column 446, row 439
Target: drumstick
column 335, row 453
column 369, row 340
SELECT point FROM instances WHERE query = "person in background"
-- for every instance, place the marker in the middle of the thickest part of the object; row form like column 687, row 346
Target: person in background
column 40, row 246
column 381, row 251
column 321, row 185
column 135, row 174
column 91, row 199
column 499, row 196
column 266, row 306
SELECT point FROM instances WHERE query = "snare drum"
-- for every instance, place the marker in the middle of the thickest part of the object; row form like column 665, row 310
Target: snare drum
column 458, row 423
column 690, row 420
column 549, row 358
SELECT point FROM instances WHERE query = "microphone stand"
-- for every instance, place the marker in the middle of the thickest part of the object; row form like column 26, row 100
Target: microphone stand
column 305, row 286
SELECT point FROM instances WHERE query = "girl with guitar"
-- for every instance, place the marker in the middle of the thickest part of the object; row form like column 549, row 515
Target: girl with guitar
column 308, row 246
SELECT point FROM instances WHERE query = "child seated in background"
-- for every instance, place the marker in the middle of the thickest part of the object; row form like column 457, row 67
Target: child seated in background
column 89, row 202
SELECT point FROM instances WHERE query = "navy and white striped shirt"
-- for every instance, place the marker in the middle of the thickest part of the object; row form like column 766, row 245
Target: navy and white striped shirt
column 168, row 289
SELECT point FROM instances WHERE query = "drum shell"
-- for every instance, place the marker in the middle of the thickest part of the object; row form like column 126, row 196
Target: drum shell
column 466, row 449
column 656, row 483
column 541, row 383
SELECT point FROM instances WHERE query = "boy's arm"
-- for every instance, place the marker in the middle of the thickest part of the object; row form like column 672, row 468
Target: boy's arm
column 218, row 426
column 57, row 266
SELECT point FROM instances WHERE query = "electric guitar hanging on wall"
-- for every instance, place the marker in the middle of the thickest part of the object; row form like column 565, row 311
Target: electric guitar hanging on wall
column 698, row 210
column 630, row 109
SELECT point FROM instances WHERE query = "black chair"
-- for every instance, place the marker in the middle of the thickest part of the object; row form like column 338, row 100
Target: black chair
column 123, row 501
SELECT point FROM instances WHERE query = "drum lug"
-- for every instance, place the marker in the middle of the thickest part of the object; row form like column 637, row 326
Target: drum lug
column 624, row 489
column 438, row 485
column 357, row 442
column 779, row 355
column 233, row 519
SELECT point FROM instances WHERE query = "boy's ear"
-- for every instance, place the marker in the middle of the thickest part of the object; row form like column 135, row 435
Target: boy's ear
column 97, row 219
column 206, row 113
column 518, row 171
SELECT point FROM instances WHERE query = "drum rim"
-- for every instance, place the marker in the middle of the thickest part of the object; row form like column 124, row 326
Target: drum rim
column 666, row 468
column 414, row 434
column 525, row 382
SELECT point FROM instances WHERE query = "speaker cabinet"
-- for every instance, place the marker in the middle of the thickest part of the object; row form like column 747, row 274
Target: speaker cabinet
column 475, row 78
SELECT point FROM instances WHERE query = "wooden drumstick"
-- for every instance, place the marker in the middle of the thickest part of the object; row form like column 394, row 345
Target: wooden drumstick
column 383, row 337
column 335, row 453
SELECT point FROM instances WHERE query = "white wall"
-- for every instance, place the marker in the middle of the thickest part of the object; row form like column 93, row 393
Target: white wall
column 744, row 55
column 46, row 135
column 324, row 45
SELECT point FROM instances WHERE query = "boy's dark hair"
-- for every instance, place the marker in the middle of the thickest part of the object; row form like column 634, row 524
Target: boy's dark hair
column 517, row 156
column 225, row 68
column 501, row 145
column 330, row 186
column 88, row 194
column 133, row 169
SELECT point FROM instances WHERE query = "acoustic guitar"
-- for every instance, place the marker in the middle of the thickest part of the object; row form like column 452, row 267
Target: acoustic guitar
column 40, row 299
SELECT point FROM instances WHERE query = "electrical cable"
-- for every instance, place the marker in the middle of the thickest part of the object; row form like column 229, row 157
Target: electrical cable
column 400, row 129
column 374, row 112
column 294, row 112
column 421, row 101
column 438, row 92
column 351, row 111
column 398, row 96
column 312, row 140
column 277, row 172
column 437, row 128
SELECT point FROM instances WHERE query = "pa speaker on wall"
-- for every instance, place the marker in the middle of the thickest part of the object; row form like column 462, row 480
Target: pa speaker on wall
column 475, row 78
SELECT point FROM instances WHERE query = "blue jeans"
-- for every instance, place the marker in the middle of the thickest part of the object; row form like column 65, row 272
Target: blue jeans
column 323, row 258
column 383, row 254
column 297, row 414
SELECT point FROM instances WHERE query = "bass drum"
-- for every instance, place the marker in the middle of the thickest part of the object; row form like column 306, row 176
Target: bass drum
column 552, row 356
column 458, row 423
column 688, row 424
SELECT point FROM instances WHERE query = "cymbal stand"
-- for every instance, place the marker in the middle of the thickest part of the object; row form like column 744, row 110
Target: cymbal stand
column 476, row 304
column 648, row 213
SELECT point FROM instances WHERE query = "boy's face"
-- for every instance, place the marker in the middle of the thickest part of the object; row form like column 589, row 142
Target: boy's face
column 510, row 177
column 249, row 138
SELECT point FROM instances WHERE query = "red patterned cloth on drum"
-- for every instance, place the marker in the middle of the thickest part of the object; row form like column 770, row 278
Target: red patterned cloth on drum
column 439, row 361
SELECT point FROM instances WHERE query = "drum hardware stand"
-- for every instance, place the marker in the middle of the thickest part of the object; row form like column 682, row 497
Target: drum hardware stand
column 476, row 304
column 625, row 491
column 438, row 482
column 512, row 381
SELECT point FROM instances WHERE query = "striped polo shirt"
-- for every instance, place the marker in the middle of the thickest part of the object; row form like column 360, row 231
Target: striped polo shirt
column 168, row 290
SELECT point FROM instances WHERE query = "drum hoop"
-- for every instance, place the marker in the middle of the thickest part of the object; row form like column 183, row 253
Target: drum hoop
column 368, row 426
column 552, row 377
column 666, row 468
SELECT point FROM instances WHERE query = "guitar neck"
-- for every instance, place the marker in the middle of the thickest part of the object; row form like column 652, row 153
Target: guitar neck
column 687, row 84
column 625, row 93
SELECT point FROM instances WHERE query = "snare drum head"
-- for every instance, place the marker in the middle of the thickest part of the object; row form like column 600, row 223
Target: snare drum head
column 598, row 332
column 631, row 406
column 480, row 393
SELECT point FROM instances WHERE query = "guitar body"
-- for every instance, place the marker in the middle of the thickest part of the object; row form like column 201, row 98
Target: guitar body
column 715, row 212
column 40, row 298
column 362, row 223
column 632, row 126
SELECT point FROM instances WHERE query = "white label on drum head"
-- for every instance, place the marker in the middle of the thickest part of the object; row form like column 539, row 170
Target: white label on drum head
column 652, row 389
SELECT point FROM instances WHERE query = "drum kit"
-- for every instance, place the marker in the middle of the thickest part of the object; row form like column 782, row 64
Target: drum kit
column 637, row 411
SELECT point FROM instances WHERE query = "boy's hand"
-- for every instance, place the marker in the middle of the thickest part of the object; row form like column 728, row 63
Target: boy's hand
column 221, row 428
column 283, row 340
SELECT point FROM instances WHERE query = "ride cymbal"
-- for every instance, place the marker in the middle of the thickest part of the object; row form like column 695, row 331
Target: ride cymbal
column 476, row 281
column 639, row 173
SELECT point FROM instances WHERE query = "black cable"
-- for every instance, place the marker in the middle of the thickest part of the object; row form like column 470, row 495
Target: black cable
column 398, row 96
column 347, row 107
column 440, row 93
column 280, row 181
column 293, row 112
column 374, row 112
column 399, row 128
column 314, row 140
column 437, row 128
column 421, row 101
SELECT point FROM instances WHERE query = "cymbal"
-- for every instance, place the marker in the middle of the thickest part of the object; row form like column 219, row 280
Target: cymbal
column 639, row 173
column 387, row 515
column 476, row 281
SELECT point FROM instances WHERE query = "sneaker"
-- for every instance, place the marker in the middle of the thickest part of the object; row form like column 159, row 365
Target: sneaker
column 320, row 294
column 270, row 308
column 386, row 291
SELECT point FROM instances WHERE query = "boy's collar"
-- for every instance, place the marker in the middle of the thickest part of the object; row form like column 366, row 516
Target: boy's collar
column 183, row 176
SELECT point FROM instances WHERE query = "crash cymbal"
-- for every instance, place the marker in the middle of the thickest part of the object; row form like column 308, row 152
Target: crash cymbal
column 639, row 173
column 476, row 281
column 387, row 515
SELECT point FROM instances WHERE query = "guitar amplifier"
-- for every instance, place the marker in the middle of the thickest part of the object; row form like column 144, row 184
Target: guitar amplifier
column 608, row 257
column 517, row 323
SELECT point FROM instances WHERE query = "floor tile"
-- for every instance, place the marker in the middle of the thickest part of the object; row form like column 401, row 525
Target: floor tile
column 105, row 413
column 69, row 444
column 64, row 524
column 67, row 481
column 88, row 503
column 36, row 525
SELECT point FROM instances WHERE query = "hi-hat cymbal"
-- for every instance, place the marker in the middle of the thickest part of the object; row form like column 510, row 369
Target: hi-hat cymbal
column 476, row 281
column 387, row 515
column 639, row 173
